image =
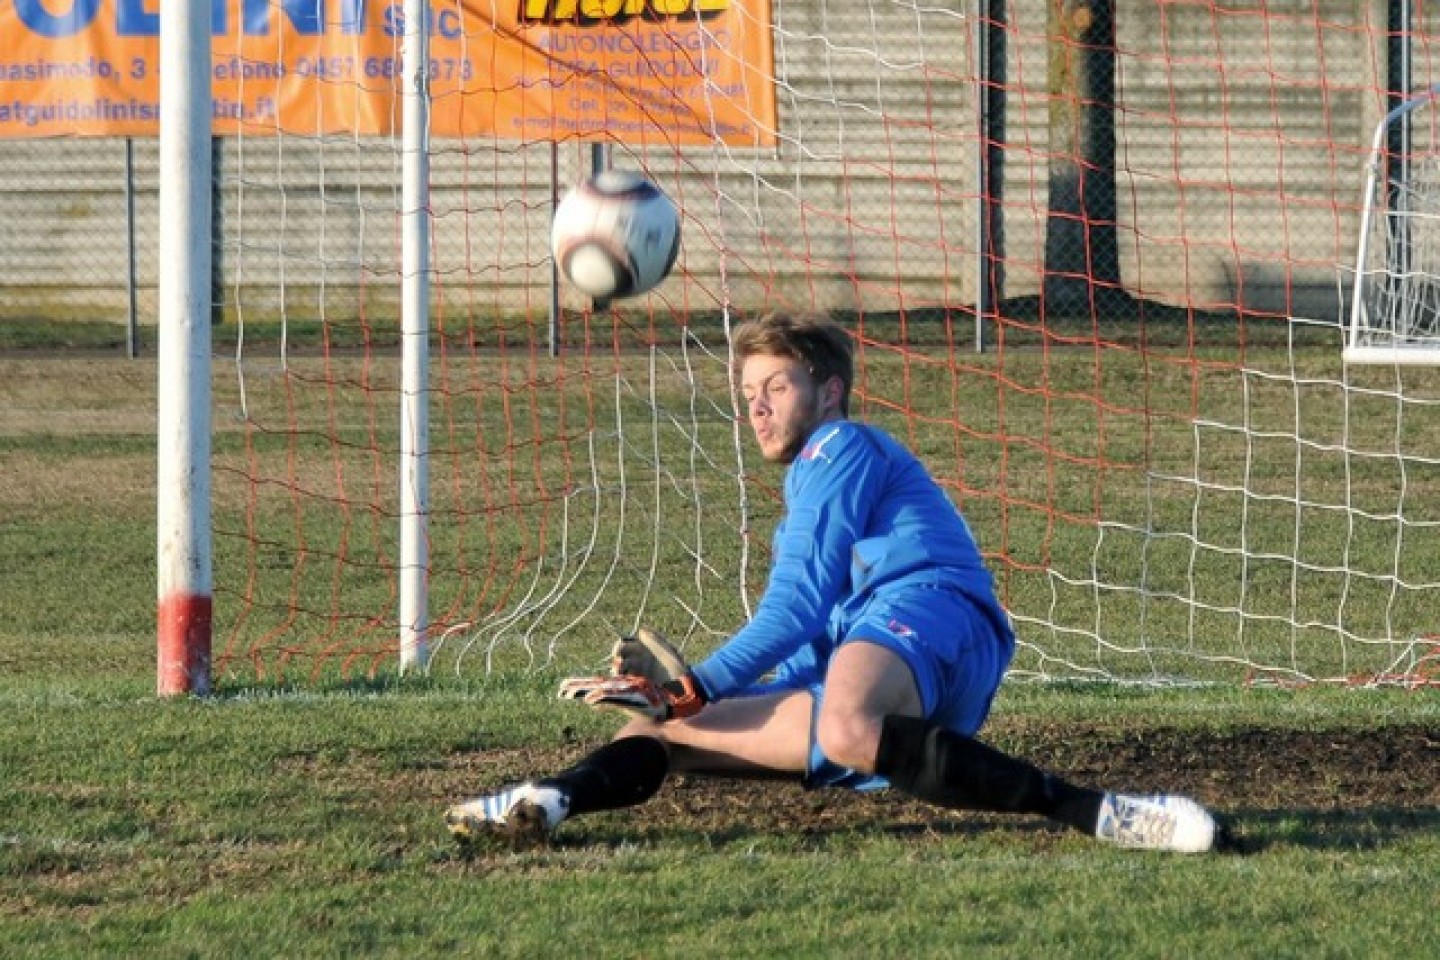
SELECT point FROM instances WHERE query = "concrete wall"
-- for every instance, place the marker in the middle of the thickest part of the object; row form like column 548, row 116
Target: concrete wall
column 1241, row 148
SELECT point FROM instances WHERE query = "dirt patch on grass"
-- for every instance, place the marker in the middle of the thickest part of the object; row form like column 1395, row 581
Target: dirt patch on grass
column 1334, row 787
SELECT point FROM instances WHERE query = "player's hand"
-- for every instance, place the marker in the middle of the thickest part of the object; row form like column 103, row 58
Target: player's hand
column 648, row 655
column 672, row 700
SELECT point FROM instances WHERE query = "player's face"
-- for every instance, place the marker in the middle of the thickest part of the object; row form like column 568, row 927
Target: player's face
column 785, row 404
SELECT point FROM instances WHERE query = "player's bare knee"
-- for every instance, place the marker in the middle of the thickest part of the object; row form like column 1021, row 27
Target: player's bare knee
column 849, row 740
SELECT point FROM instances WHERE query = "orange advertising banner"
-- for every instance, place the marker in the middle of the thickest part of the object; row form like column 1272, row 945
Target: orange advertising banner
column 641, row 71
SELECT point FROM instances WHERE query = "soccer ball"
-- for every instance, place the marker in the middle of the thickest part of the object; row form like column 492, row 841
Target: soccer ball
column 615, row 235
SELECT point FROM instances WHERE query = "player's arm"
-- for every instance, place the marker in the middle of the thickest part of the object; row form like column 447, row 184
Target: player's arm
column 829, row 500
column 828, row 503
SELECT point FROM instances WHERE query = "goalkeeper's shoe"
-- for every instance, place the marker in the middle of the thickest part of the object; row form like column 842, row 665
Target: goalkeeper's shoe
column 1156, row 822
column 523, row 815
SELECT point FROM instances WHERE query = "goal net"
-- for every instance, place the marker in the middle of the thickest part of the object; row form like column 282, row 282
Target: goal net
column 1120, row 352
column 1395, row 306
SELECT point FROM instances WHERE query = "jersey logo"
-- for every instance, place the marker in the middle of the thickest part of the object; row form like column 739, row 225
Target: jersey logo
column 815, row 449
column 901, row 629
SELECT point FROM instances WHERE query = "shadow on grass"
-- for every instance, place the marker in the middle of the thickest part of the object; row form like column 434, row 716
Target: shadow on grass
column 1371, row 828
column 1244, row 833
column 1247, row 832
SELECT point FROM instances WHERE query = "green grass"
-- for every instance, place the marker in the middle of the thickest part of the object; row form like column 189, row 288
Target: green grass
column 305, row 823
column 301, row 818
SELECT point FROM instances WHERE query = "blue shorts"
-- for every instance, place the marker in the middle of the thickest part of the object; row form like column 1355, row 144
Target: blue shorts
column 956, row 652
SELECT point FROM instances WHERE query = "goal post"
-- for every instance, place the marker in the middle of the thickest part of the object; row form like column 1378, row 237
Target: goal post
column 184, row 576
column 1395, row 300
column 415, row 339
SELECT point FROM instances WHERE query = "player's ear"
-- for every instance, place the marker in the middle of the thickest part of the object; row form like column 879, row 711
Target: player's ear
column 831, row 392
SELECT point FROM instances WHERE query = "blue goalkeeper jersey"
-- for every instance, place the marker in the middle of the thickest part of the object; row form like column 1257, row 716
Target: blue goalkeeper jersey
column 862, row 516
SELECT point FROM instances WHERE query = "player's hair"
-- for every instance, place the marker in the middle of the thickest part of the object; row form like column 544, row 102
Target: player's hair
column 812, row 338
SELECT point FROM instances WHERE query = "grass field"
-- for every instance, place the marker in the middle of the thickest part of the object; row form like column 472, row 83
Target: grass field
column 303, row 819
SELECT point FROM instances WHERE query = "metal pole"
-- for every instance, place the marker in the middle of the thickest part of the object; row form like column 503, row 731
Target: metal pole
column 132, row 320
column 983, row 305
column 415, row 339
column 1397, row 188
column 599, row 158
column 184, row 575
column 217, row 231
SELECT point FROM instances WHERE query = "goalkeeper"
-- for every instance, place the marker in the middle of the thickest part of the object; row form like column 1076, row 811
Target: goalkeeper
column 872, row 658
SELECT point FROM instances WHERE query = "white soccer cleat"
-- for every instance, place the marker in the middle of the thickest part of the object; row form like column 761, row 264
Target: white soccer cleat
column 1156, row 822
column 523, row 815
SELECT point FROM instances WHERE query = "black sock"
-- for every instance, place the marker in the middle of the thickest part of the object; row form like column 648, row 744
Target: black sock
column 951, row 770
column 622, row 773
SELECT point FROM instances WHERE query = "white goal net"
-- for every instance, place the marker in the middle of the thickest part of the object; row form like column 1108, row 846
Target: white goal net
column 1395, row 304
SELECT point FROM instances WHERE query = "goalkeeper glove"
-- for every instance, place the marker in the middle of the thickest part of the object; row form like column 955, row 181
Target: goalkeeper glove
column 671, row 700
column 648, row 655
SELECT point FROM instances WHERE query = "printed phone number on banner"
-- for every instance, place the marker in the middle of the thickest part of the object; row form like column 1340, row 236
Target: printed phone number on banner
column 339, row 69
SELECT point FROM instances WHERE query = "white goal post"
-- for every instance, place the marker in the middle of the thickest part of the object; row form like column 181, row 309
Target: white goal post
column 1395, row 300
column 184, row 575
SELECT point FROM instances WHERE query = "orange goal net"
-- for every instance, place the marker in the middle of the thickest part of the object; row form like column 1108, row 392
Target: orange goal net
column 1098, row 262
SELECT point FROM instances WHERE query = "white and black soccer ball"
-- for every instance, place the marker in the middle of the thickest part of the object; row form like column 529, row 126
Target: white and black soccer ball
column 615, row 235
